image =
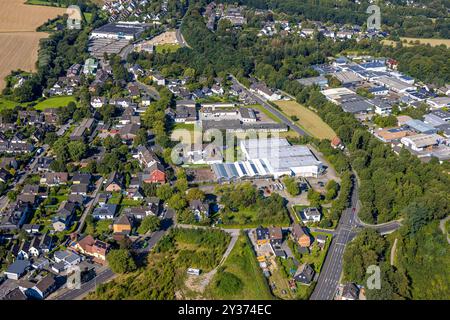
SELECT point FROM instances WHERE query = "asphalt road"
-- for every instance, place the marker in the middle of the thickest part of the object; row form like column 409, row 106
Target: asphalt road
column 328, row 280
column 180, row 38
column 348, row 227
column 86, row 287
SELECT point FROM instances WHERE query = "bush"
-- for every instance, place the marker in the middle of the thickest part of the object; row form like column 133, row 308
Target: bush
column 228, row 284
column 121, row 261
column 150, row 223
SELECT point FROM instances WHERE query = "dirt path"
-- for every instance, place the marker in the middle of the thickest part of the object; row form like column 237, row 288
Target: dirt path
column 442, row 227
column 393, row 250
column 199, row 283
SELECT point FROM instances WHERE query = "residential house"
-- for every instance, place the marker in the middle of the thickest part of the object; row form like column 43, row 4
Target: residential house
column 304, row 274
column 17, row 269
column 82, row 178
column 114, row 182
column 91, row 247
column 185, row 114
column 140, row 212
column 266, row 92
column 275, row 235
column 158, row 79
column 98, row 102
column 43, row 288
column 262, row 235
column 129, row 131
column 146, row 157
column 301, row 235
column 53, row 179
column 31, row 228
column 43, row 164
column 321, row 240
column 134, row 193
column 4, row 175
column 40, row 263
column 64, row 216
column 154, row 174
column 310, row 214
column 104, row 212
column 79, row 189
column 350, row 292
column 123, row 224
column 199, row 208
column 8, row 163
column 64, row 260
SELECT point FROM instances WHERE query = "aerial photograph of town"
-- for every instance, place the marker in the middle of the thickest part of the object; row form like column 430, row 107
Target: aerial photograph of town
column 279, row 151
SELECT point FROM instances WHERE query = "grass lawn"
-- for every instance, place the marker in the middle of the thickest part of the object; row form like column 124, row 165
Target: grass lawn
column 43, row 3
column 88, row 17
column 308, row 119
column 130, row 203
column 7, row 104
column 56, row 102
column 116, row 198
column 242, row 264
column 169, row 47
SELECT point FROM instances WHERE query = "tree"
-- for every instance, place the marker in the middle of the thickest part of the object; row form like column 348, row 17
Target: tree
column 77, row 150
column 121, row 261
column 314, row 197
column 150, row 223
column 195, row 194
column 164, row 192
column 332, row 188
column 177, row 202
column 292, row 186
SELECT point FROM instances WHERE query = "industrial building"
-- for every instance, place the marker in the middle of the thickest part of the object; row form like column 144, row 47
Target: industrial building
column 269, row 158
column 119, row 30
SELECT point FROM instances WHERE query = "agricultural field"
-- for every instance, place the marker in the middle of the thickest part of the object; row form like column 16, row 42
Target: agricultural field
column 408, row 42
column 308, row 119
column 18, row 36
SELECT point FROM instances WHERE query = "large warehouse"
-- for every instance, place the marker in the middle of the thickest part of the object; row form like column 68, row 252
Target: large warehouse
column 119, row 30
column 270, row 158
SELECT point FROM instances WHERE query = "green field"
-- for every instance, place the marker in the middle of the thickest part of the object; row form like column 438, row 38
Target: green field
column 168, row 47
column 44, row 3
column 56, row 102
column 308, row 119
column 242, row 264
column 7, row 104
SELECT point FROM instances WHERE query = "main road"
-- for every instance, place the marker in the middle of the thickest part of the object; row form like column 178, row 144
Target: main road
column 349, row 225
column 328, row 280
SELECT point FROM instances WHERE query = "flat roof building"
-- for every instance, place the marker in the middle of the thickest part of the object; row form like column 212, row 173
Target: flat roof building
column 119, row 30
column 420, row 142
column 270, row 158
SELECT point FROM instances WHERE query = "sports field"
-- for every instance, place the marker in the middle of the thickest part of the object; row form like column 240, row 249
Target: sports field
column 308, row 119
